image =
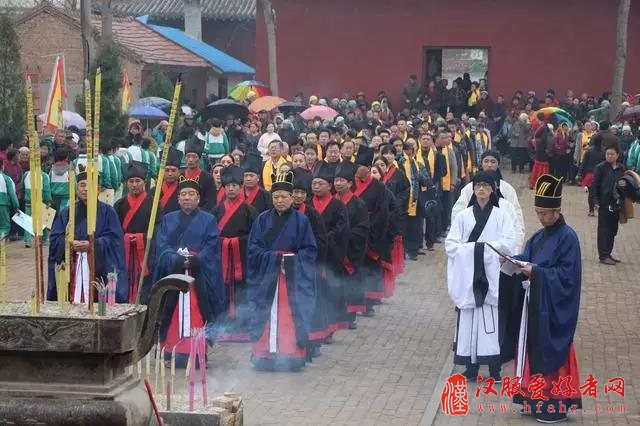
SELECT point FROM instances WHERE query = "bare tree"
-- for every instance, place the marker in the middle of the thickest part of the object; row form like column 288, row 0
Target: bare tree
column 621, row 57
column 87, row 35
column 270, row 23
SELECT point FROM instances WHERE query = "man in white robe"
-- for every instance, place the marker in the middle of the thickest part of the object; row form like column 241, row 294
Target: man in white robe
column 491, row 163
column 473, row 274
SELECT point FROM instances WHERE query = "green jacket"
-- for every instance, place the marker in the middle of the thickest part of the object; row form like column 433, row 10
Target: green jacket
column 216, row 147
column 26, row 188
column 104, row 169
column 8, row 197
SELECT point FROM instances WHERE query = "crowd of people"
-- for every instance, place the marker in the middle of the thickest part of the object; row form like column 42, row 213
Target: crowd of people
column 293, row 228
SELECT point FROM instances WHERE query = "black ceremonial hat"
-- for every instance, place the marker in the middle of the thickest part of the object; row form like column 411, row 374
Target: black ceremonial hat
column 365, row 156
column 186, row 183
column 174, row 158
column 283, row 182
column 325, row 172
column 548, row 192
column 346, row 170
column 194, row 145
column 302, row 179
column 231, row 174
column 135, row 170
column 252, row 163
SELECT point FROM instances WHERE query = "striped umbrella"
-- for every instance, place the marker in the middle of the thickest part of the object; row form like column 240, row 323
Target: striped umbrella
column 241, row 90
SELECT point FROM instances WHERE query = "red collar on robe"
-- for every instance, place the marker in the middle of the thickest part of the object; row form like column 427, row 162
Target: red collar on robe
column 189, row 174
column 345, row 198
column 362, row 185
column 251, row 196
column 134, row 206
column 230, row 208
column 321, row 203
column 390, row 172
column 302, row 208
column 167, row 191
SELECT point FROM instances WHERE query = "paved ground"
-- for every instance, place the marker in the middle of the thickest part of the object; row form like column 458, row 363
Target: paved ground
column 388, row 371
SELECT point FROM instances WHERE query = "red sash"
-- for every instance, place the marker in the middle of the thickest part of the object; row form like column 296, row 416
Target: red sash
column 252, row 195
column 134, row 243
column 134, row 206
column 230, row 208
column 167, row 191
column 346, row 198
column 303, row 208
column 220, row 195
column 321, row 204
column 390, row 172
column 192, row 175
column 361, row 186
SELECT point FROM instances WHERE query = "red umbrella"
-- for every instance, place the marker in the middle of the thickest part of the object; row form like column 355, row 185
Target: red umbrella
column 321, row 111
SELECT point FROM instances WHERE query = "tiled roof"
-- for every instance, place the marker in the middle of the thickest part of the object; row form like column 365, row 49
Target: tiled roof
column 221, row 61
column 220, row 10
column 148, row 45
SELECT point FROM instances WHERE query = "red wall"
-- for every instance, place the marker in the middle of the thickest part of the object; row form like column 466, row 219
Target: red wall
column 331, row 46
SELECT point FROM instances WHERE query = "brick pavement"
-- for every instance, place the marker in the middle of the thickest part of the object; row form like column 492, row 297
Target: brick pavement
column 386, row 371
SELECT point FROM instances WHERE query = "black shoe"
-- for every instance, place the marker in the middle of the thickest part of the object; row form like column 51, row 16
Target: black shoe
column 608, row 261
column 550, row 418
column 614, row 259
column 413, row 257
column 497, row 378
column 369, row 312
column 329, row 339
column 430, row 248
column 314, row 351
column 421, row 253
column 471, row 374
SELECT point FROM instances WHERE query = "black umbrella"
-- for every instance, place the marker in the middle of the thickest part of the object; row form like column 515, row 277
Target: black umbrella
column 225, row 107
column 291, row 107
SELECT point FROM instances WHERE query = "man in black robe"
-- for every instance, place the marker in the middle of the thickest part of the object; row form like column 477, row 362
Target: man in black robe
column 377, row 268
column 301, row 191
column 354, row 284
column 134, row 212
column 336, row 222
column 207, row 188
column 169, row 194
column 254, row 194
column 235, row 218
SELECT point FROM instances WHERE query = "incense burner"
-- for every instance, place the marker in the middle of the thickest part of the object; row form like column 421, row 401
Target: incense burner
column 70, row 369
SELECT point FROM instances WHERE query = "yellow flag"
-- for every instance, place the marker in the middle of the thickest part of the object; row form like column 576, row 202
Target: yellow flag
column 55, row 101
column 126, row 92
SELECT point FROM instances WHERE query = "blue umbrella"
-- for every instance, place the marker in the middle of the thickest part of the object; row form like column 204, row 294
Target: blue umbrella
column 147, row 113
column 153, row 101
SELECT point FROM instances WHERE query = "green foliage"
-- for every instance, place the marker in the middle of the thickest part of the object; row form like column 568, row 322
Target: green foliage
column 112, row 121
column 12, row 83
column 159, row 84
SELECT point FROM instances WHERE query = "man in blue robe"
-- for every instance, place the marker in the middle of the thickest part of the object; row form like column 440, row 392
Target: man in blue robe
column 187, row 243
column 552, row 275
column 109, row 248
column 281, row 267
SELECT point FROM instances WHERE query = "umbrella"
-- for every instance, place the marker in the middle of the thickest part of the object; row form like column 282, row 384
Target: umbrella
column 70, row 118
column 266, row 103
column 631, row 113
column 153, row 101
column 553, row 115
column 225, row 107
column 291, row 107
column 241, row 90
column 321, row 111
column 147, row 113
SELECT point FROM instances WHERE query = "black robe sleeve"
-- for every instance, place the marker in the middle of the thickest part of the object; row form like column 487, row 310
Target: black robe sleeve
column 358, row 230
column 319, row 232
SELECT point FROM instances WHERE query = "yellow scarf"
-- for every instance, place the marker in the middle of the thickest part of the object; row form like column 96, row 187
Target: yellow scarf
column 413, row 203
column 430, row 160
column 267, row 170
column 473, row 97
column 446, row 180
column 319, row 151
column 584, row 144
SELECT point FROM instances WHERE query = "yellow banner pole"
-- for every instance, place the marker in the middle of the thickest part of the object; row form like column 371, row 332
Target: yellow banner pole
column 158, row 189
column 34, row 150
